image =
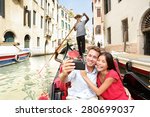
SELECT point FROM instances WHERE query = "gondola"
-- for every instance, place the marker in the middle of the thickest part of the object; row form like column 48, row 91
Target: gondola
column 138, row 86
column 58, row 90
column 12, row 54
column 136, row 74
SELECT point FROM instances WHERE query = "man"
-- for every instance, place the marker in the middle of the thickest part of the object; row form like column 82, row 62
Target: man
column 79, row 88
column 80, row 35
column 98, row 44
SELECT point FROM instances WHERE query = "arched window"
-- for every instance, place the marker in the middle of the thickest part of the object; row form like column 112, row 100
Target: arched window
column 26, row 41
column 9, row 36
column 146, row 22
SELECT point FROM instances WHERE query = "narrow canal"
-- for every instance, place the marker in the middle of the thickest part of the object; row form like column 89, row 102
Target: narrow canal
column 24, row 81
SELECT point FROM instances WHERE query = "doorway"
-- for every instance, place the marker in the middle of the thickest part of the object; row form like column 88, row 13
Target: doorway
column 27, row 41
column 146, row 32
column 147, row 43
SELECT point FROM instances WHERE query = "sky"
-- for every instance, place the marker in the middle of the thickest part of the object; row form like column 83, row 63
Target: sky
column 79, row 7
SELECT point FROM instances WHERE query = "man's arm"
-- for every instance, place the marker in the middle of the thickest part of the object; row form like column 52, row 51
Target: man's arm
column 63, row 76
column 67, row 67
column 74, row 27
column 87, row 18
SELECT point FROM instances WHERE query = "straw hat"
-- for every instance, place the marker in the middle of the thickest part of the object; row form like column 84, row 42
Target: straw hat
column 78, row 16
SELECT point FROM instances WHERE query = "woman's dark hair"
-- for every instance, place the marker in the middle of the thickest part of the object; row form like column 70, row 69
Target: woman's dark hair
column 109, row 60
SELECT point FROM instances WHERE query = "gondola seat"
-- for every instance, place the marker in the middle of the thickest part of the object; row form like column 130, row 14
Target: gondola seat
column 61, row 88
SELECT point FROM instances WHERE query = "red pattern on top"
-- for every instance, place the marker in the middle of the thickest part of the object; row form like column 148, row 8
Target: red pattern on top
column 116, row 90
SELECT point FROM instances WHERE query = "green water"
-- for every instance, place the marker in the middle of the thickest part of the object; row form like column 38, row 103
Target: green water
column 28, row 79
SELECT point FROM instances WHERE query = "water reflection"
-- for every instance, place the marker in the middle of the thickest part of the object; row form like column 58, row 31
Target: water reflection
column 23, row 81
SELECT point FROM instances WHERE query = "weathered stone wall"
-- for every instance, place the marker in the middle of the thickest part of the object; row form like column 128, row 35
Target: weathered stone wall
column 130, row 48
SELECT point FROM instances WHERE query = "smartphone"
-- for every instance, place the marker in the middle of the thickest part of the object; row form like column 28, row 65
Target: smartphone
column 79, row 65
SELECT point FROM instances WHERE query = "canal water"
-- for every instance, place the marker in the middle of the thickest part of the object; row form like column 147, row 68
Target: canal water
column 27, row 80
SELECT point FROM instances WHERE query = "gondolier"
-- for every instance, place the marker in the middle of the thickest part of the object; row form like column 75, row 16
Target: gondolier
column 80, row 35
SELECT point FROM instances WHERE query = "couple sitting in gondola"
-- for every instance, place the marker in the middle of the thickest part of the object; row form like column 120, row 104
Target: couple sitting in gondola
column 99, row 80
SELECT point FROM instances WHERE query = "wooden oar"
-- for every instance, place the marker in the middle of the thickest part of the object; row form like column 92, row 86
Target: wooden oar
column 57, row 49
column 17, row 47
column 10, row 44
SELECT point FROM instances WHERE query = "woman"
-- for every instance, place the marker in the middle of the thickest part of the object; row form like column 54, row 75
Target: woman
column 110, row 86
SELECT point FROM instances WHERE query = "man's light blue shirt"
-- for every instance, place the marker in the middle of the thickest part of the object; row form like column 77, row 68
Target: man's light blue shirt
column 79, row 88
column 81, row 29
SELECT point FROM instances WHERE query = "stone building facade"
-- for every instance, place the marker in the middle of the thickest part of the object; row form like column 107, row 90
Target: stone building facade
column 31, row 23
column 98, row 21
column 127, row 25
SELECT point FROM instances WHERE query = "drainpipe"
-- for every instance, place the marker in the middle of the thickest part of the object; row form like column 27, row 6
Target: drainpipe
column 45, row 37
column 125, row 38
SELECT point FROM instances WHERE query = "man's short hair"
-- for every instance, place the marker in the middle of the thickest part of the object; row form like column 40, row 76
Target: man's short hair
column 97, row 49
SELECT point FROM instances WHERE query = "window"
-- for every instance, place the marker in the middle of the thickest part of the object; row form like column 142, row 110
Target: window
column 38, row 41
column 98, row 29
column 109, row 35
column 41, row 3
column 48, row 8
column 26, row 41
column 66, row 26
column 59, row 41
column 146, row 22
column 48, row 25
column 9, row 36
column 107, row 6
column 125, row 30
column 53, row 1
column 62, row 24
column 27, row 17
column 52, row 28
column 66, row 16
column 41, row 21
column 34, row 17
column 2, row 8
column 45, row 4
column 62, row 13
column 98, row 12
